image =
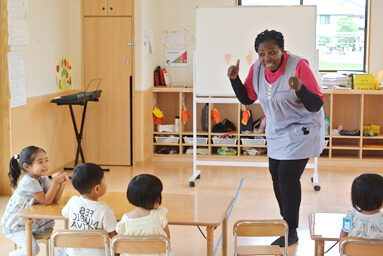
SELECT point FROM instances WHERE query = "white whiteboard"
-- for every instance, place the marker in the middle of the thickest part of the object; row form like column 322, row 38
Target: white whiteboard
column 232, row 30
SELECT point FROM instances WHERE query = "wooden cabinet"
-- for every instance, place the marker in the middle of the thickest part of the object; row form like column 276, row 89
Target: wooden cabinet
column 107, row 8
column 107, row 55
column 171, row 101
column 349, row 109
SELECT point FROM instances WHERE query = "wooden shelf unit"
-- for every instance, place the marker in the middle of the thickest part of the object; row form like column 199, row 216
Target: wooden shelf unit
column 348, row 108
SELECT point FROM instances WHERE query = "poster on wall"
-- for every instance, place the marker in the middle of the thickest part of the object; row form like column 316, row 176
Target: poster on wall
column 16, row 72
column 18, row 22
column 175, row 38
column 63, row 73
column 176, row 58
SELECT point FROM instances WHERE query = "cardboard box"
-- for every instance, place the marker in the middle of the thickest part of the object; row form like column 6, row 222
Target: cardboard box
column 363, row 82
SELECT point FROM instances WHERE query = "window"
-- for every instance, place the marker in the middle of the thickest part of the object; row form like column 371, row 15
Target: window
column 341, row 31
column 324, row 19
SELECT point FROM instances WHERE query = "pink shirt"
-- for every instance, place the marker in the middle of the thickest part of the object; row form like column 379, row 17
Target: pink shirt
column 303, row 73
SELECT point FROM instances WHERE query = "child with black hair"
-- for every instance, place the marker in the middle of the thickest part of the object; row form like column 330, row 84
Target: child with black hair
column 35, row 187
column 366, row 219
column 85, row 212
column 148, row 218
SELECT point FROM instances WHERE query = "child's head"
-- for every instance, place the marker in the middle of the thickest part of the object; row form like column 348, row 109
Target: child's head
column 86, row 176
column 367, row 192
column 27, row 160
column 144, row 191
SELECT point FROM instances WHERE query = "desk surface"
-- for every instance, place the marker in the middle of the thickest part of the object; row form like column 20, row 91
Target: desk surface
column 325, row 226
column 206, row 210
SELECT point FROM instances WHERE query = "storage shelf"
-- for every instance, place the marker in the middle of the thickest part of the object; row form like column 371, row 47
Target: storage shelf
column 350, row 108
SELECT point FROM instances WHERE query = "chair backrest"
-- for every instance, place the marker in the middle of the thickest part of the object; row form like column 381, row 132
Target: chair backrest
column 357, row 246
column 140, row 244
column 80, row 239
column 260, row 228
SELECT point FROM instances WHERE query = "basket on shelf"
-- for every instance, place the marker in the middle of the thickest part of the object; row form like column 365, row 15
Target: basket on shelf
column 172, row 139
column 189, row 140
column 222, row 141
column 254, row 142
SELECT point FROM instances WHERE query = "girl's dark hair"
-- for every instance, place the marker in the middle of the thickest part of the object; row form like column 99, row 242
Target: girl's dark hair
column 86, row 176
column 144, row 191
column 271, row 35
column 367, row 192
column 26, row 156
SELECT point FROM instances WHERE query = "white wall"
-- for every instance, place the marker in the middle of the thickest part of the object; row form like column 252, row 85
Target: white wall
column 160, row 15
column 180, row 14
column 54, row 30
column 146, row 17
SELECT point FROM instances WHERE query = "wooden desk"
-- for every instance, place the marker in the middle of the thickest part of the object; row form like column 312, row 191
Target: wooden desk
column 189, row 210
column 324, row 227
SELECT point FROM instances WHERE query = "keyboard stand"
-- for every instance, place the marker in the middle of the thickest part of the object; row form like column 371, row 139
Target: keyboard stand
column 78, row 133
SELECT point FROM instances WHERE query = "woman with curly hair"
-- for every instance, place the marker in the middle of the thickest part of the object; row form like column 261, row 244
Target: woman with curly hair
column 292, row 102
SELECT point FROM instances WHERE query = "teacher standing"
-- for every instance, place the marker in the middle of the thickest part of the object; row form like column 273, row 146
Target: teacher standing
column 292, row 102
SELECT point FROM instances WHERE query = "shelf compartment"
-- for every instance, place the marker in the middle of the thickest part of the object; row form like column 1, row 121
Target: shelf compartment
column 344, row 153
column 200, row 151
column 166, row 150
column 372, row 154
column 350, row 142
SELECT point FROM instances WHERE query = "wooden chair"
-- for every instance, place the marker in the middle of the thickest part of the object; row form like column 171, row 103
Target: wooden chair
column 41, row 239
column 357, row 246
column 80, row 239
column 140, row 244
column 260, row 228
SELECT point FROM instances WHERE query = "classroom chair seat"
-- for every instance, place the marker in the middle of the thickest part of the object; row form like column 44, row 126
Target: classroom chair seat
column 260, row 228
column 140, row 244
column 41, row 239
column 357, row 246
column 80, row 239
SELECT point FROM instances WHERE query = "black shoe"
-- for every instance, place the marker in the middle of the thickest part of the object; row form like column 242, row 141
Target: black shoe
column 291, row 239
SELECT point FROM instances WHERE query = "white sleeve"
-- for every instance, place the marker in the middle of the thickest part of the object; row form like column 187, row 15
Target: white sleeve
column 109, row 221
column 162, row 216
column 67, row 208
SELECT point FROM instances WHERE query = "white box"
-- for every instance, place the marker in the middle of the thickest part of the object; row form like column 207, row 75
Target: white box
column 224, row 141
column 254, row 142
column 189, row 140
column 166, row 139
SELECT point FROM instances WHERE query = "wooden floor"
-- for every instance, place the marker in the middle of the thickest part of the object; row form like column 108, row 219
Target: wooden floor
column 255, row 199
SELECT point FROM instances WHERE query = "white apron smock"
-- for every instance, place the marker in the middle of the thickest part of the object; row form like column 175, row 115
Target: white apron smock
column 292, row 132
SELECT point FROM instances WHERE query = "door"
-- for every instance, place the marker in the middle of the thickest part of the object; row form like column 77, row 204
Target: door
column 107, row 135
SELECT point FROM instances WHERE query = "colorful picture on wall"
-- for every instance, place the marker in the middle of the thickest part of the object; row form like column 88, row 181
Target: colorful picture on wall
column 63, row 73
column 176, row 58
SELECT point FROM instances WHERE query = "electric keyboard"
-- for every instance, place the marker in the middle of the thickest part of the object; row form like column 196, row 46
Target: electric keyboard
column 77, row 98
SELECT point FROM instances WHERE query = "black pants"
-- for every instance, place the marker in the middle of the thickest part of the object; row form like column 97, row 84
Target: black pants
column 286, row 176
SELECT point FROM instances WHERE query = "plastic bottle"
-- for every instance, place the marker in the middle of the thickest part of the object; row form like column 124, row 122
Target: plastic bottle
column 177, row 124
column 326, row 126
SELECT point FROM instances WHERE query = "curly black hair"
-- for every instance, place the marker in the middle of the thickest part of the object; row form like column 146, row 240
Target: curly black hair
column 269, row 35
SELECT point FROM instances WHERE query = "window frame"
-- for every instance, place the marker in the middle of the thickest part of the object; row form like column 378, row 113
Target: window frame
column 366, row 40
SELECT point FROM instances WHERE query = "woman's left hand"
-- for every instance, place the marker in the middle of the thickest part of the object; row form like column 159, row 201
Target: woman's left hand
column 295, row 83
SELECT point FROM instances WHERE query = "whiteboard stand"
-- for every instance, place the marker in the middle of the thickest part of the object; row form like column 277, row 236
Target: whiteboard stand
column 197, row 173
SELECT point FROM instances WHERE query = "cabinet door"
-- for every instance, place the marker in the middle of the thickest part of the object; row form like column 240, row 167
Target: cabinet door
column 108, row 122
column 95, row 7
column 119, row 8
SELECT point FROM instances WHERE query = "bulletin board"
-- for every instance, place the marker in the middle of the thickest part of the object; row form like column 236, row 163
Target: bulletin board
column 225, row 34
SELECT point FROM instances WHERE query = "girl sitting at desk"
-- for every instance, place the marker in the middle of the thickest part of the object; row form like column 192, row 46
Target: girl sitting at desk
column 35, row 187
column 148, row 218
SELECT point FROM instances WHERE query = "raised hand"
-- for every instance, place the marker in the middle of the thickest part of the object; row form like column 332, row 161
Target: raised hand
column 295, row 83
column 232, row 72
column 249, row 57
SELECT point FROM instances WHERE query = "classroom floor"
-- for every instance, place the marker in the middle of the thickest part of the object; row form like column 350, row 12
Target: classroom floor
column 255, row 199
